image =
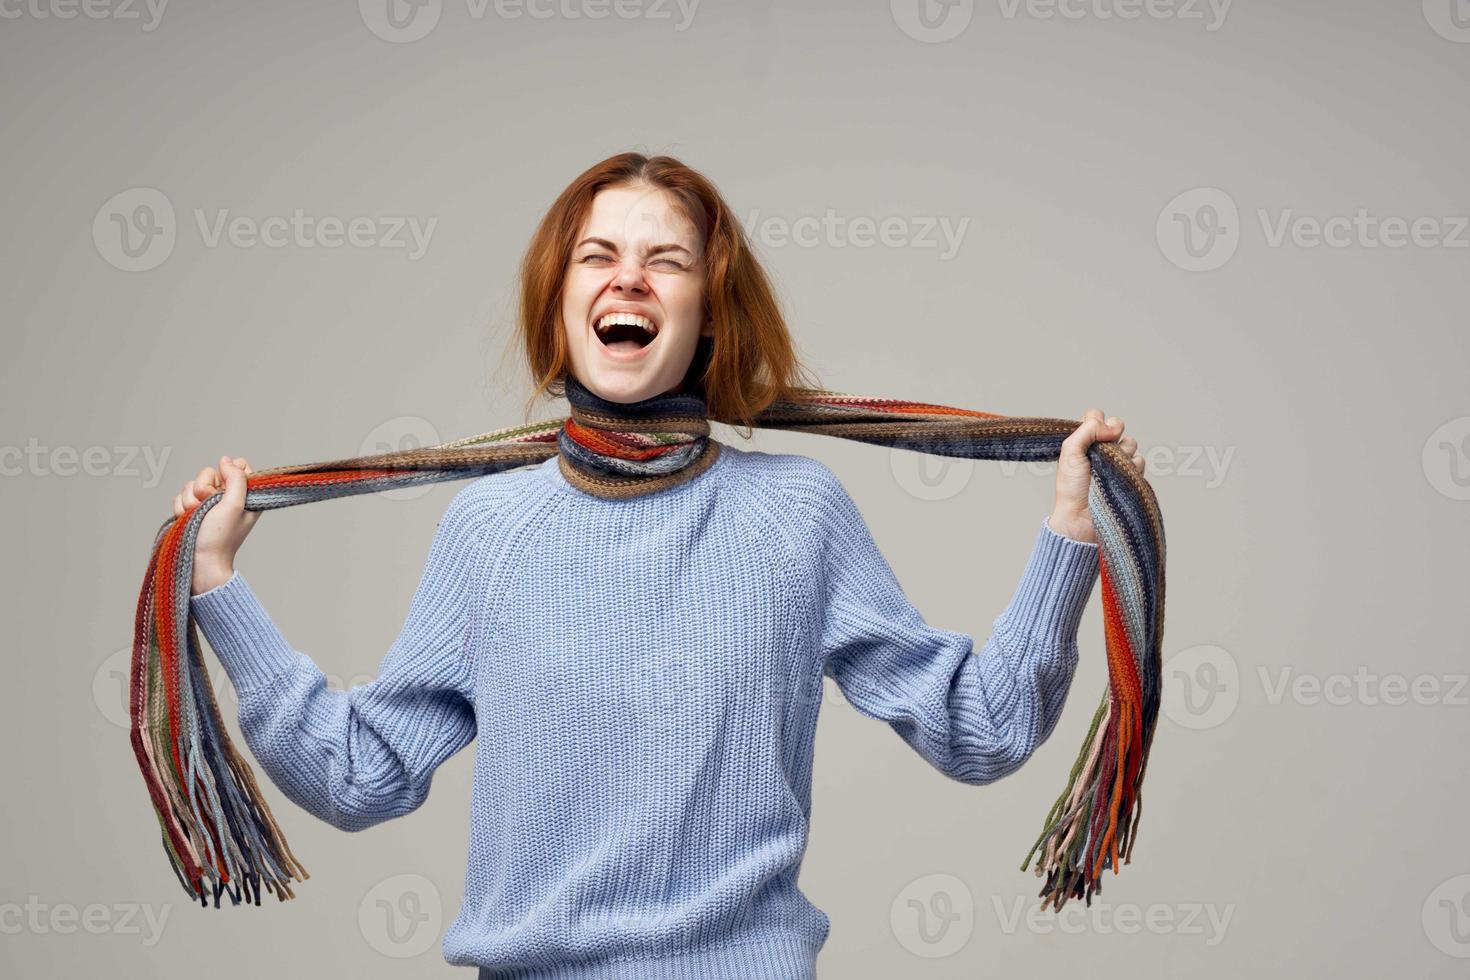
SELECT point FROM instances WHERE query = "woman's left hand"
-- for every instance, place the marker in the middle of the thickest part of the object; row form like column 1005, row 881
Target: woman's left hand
column 1069, row 516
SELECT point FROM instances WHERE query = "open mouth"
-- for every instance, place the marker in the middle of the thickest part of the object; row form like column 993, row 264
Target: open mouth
column 625, row 332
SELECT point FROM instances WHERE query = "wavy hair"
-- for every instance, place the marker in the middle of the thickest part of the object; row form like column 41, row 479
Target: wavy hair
column 749, row 363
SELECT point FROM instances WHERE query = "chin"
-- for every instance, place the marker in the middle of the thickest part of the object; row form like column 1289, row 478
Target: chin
column 624, row 386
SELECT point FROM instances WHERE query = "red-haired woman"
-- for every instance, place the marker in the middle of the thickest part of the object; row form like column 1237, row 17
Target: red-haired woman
column 641, row 675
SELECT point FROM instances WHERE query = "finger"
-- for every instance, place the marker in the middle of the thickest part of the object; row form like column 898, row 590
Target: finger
column 178, row 505
column 234, row 478
column 1075, row 448
column 1079, row 439
column 1128, row 444
column 206, row 483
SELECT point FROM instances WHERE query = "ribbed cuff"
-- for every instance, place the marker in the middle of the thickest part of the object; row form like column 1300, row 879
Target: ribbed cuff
column 242, row 634
column 1048, row 605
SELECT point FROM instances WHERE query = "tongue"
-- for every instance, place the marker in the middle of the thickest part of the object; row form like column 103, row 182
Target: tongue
column 625, row 345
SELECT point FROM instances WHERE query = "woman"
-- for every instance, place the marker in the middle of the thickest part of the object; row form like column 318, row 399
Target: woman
column 642, row 676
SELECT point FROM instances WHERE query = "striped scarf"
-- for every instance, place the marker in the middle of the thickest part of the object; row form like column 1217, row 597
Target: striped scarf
column 220, row 835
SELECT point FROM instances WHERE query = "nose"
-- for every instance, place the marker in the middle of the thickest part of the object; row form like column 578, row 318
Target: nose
column 629, row 278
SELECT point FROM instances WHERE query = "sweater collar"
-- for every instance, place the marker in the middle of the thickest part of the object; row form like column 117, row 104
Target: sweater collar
column 618, row 450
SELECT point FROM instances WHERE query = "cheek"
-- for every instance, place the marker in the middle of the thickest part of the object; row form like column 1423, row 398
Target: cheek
column 577, row 297
column 684, row 298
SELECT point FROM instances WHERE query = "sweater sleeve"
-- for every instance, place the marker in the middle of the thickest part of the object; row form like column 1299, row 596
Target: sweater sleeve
column 974, row 717
column 355, row 758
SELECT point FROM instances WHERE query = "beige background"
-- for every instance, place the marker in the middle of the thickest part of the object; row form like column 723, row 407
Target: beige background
column 1304, row 407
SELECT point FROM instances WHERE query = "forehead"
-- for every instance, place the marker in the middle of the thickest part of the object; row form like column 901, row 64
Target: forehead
column 638, row 215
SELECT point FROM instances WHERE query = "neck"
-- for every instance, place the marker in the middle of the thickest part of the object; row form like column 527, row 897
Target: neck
column 616, row 449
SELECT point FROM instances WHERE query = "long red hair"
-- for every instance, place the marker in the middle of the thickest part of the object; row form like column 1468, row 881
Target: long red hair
column 749, row 363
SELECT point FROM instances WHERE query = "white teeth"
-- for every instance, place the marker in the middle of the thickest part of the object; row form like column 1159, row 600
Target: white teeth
column 626, row 319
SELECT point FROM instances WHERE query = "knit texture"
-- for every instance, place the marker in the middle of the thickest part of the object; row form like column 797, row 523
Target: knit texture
column 642, row 679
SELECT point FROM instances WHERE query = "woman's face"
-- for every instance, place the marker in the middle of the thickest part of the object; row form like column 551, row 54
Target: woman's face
column 633, row 295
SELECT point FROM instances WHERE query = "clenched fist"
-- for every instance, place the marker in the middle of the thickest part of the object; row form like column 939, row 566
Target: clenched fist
column 224, row 528
column 1070, row 516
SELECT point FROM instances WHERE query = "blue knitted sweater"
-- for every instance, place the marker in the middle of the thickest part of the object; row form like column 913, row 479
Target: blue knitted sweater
column 641, row 679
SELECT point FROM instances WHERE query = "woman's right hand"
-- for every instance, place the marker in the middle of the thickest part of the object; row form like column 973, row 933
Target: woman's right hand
column 224, row 528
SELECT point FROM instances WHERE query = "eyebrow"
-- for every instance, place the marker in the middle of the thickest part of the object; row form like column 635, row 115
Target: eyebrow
column 654, row 250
